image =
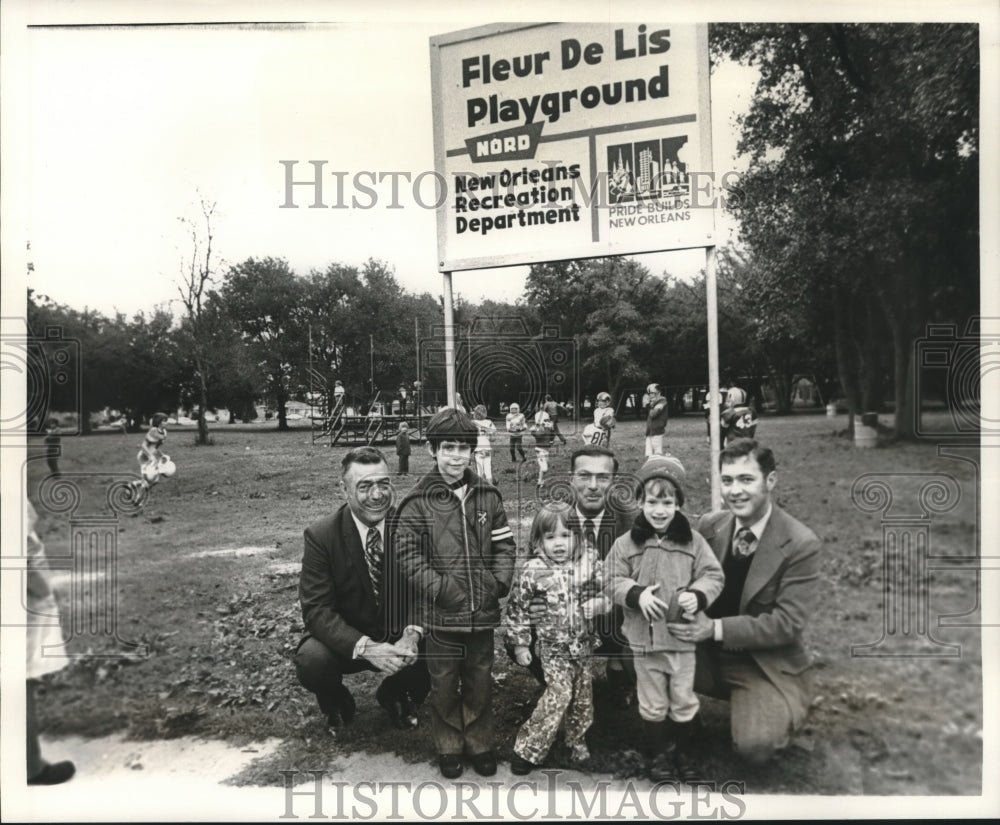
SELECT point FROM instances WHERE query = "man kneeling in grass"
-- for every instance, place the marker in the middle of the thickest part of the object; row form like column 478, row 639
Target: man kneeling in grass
column 353, row 606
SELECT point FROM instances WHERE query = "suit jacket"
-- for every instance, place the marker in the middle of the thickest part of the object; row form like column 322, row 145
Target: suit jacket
column 779, row 594
column 613, row 523
column 335, row 588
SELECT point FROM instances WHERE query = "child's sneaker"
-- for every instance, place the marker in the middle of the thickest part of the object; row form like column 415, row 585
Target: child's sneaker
column 687, row 770
column 519, row 766
column 579, row 753
column 662, row 767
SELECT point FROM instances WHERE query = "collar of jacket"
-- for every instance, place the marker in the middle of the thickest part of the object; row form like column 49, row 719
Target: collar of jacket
column 678, row 531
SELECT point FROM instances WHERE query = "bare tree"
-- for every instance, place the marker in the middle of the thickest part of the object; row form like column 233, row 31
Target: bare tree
column 194, row 286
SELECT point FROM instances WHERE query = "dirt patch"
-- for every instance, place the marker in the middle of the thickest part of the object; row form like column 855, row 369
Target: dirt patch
column 231, row 551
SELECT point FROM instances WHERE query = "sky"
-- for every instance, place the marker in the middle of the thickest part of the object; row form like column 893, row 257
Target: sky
column 127, row 128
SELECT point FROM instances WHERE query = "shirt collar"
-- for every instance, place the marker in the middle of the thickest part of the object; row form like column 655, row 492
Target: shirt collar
column 595, row 519
column 363, row 528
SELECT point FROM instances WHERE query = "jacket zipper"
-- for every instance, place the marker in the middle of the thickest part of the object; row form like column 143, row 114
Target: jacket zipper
column 468, row 557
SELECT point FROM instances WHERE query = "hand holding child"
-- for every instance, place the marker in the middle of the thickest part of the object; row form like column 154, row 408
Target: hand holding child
column 522, row 655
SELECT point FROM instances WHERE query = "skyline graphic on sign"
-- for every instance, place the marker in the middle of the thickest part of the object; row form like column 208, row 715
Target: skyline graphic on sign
column 646, row 169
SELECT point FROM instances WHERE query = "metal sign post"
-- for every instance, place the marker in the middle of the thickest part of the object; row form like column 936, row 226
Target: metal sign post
column 449, row 340
column 712, row 310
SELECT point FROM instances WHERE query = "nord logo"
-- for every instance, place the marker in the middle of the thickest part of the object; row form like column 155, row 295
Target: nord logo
column 519, row 143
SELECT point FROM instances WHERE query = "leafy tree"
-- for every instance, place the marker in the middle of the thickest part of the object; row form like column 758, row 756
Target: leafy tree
column 614, row 308
column 862, row 194
column 145, row 356
column 768, row 329
column 264, row 300
column 132, row 366
column 502, row 355
column 328, row 296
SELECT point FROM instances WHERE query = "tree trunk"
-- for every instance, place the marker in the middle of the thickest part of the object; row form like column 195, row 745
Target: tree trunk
column 202, row 438
column 613, row 385
column 783, row 391
column 281, row 398
column 912, row 314
column 846, row 365
column 903, row 375
column 871, row 359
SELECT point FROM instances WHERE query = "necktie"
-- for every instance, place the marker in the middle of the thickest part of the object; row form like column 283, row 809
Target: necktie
column 744, row 542
column 373, row 556
column 589, row 534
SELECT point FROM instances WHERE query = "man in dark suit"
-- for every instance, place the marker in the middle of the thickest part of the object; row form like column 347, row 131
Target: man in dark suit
column 600, row 516
column 750, row 647
column 353, row 604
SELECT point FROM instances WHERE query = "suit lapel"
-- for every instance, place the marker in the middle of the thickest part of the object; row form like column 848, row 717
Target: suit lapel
column 720, row 537
column 766, row 558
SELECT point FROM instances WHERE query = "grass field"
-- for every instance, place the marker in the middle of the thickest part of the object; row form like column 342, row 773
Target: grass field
column 206, row 583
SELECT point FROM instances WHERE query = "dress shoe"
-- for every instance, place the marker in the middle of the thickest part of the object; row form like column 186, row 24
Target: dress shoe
column 402, row 711
column 334, row 723
column 450, row 765
column 485, row 764
column 391, row 703
column 622, row 689
column 346, row 704
column 408, row 713
column 520, row 766
column 54, row 774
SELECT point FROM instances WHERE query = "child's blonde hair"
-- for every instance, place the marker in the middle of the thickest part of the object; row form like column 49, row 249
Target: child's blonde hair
column 551, row 515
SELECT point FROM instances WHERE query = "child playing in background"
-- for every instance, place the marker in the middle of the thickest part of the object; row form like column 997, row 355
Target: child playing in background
column 561, row 571
column 484, row 443
column 542, row 430
column 604, row 419
column 403, row 448
column 738, row 418
column 53, row 445
column 152, row 460
column 662, row 571
column 516, row 425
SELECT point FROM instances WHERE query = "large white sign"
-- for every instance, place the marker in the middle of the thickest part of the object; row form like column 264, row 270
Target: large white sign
column 571, row 140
